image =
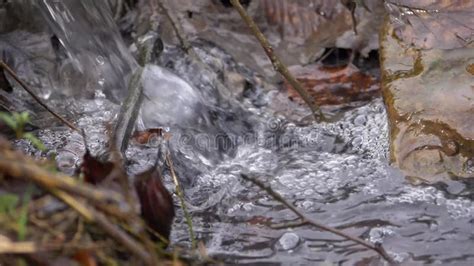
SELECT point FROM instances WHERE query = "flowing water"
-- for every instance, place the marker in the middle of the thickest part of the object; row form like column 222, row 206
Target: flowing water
column 336, row 173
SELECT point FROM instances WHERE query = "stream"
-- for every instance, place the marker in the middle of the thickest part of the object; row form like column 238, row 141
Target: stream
column 337, row 173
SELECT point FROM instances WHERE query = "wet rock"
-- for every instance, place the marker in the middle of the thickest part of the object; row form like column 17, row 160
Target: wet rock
column 429, row 94
column 425, row 23
column 334, row 85
column 169, row 100
column 378, row 234
column 288, row 241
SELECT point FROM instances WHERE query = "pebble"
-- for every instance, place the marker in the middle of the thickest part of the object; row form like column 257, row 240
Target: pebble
column 288, row 241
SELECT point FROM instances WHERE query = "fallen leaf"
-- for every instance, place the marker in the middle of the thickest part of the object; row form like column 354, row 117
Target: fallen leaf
column 144, row 137
column 333, row 85
column 157, row 207
column 94, row 170
column 85, row 258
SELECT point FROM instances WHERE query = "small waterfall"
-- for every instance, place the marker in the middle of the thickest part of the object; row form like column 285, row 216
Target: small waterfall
column 97, row 59
column 93, row 45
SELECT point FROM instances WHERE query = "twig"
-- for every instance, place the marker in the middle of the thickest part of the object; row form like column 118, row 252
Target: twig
column 92, row 216
column 7, row 246
column 182, row 201
column 100, row 198
column 37, row 99
column 279, row 198
column 177, row 28
column 27, row 247
column 188, row 49
column 80, row 230
column 131, row 106
column 113, row 231
column 73, row 203
column 351, row 6
column 118, row 9
column 45, row 226
column 121, row 237
column 16, row 165
column 18, row 168
column 276, row 62
column 288, row 225
column 129, row 112
column 325, row 55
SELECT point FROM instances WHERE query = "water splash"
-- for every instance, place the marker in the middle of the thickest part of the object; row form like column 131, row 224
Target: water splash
column 97, row 56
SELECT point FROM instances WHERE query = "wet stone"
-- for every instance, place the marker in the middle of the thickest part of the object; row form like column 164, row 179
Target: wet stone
column 307, row 204
column 455, row 188
column 288, row 241
column 433, row 24
column 428, row 94
column 377, row 235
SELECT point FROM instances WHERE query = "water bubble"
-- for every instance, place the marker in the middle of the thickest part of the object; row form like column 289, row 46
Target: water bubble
column 360, row 120
column 308, row 192
column 100, row 60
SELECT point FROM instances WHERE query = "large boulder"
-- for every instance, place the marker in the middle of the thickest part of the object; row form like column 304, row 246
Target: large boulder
column 428, row 88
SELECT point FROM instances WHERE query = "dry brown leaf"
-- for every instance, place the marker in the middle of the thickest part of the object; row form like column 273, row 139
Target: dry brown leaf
column 94, row 170
column 157, row 207
column 334, row 85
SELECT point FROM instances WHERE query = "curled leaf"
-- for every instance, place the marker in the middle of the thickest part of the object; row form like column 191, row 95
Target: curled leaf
column 94, row 170
column 157, row 207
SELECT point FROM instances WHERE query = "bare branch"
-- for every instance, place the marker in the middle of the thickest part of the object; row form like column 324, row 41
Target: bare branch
column 182, row 201
column 276, row 62
column 92, row 216
column 18, row 166
column 275, row 195
column 37, row 99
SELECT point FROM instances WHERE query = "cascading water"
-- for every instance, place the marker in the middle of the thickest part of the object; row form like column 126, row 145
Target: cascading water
column 337, row 173
column 96, row 53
